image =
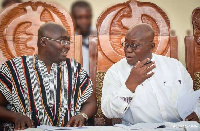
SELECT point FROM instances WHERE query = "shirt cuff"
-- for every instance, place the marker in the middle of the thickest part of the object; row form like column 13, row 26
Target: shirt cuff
column 124, row 98
column 125, row 92
column 120, row 106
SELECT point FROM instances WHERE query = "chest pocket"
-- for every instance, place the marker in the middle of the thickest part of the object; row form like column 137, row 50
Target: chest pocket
column 143, row 97
column 171, row 90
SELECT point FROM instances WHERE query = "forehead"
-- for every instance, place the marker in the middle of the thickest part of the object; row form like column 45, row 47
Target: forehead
column 139, row 36
column 133, row 37
column 82, row 11
column 57, row 32
column 134, row 33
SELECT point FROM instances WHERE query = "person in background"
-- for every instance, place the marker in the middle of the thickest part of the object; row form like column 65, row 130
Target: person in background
column 81, row 12
column 7, row 3
column 144, row 87
column 48, row 88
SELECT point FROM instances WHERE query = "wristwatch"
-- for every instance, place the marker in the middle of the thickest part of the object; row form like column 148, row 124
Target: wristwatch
column 84, row 115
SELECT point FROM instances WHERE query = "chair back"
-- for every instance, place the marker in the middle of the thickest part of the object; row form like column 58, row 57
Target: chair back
column 19, row 26
column 192, row 49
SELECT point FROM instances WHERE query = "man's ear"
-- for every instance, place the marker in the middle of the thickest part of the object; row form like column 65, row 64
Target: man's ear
column 152, row 46
column 43, row 42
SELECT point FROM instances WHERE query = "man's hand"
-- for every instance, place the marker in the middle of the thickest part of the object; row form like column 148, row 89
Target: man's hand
column 18, row 119
column 192, row 117
column 76, row 121
column 139, row 73
column 21, row 121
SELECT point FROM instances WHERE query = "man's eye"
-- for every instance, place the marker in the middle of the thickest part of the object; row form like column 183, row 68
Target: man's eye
column 64, row 40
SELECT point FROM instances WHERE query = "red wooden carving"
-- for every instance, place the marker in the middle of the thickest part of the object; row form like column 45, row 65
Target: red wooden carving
column 19, row 24
column 192, row 46
column 114, row 23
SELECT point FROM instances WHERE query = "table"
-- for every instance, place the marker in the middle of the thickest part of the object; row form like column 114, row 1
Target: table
column 112, row 128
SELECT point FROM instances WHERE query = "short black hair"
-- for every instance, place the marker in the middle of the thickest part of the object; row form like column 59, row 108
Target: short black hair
column 6, row 2
column 80, row 4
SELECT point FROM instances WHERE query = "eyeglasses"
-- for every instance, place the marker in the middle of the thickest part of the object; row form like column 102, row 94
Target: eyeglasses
column 133, row 46
column 63, row 42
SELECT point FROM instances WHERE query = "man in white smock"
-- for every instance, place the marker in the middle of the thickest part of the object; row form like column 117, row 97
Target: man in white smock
column 144, row 87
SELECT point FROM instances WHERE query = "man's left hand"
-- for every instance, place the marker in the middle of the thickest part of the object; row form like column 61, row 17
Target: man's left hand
column 192, row 117
column 76, row 121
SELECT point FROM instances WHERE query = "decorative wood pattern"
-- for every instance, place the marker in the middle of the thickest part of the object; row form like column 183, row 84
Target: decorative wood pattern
column 114, row 23
column 192, row 49
column 19, row 24
column 112, row 26
column 197, row 80
column 100, row 77
column 196, row 24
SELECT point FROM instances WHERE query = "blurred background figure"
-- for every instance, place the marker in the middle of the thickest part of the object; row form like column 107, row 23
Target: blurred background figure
column 7, row 3
column 81, row 12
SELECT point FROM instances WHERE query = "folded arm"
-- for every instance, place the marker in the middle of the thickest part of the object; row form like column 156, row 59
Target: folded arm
column 89, row 108
column 115, row 96
column 117, row 93
column 20, row 121
column 88, row 100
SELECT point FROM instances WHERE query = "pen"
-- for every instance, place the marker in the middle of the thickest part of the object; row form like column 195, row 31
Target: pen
column 147, row 62
column 161, row 126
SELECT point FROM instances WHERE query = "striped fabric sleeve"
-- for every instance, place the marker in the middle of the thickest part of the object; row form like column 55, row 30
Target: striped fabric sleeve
column 5, row 82
column 85, row 87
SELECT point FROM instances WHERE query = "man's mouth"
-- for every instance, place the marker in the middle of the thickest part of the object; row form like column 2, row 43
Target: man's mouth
column 129, row 57
column 64, row 52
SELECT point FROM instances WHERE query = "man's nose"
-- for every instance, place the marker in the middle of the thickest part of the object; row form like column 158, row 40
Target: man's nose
column 129, row 49
column 67, row 46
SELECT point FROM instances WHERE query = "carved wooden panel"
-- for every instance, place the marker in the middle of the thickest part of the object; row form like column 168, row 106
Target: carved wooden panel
column 114, row 23
column 19, row 24
column 192, row 46
column 196, row 28
column 196, row 24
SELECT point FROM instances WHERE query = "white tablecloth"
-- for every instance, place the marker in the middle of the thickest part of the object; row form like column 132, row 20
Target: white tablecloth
column 111, row 128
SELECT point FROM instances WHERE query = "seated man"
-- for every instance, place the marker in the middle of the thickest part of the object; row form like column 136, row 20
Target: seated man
column 47, row 88
column 144, row 87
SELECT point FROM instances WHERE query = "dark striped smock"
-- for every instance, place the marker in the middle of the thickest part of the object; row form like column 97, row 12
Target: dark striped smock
column 47, row 98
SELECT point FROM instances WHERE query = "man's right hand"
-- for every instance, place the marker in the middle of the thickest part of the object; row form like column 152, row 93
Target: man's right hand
column 139, row 73
column 21, row 121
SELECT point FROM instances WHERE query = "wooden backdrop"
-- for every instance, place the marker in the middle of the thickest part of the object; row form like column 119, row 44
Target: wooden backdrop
column 19, row 26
